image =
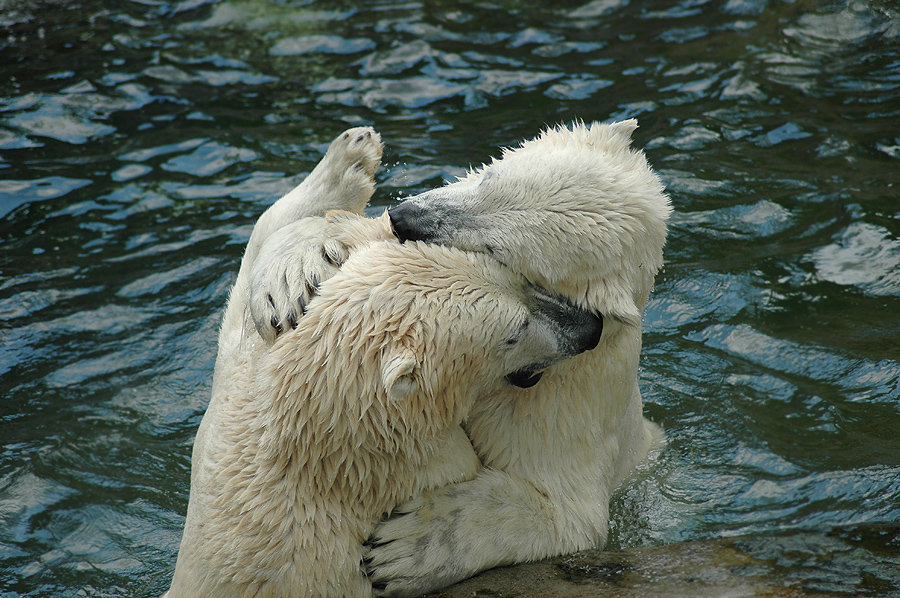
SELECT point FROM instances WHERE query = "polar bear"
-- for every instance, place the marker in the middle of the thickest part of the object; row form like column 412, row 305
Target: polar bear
column 357, row 405
column 579, row 212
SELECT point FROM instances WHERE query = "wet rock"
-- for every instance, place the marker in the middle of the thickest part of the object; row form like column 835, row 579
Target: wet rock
column 867, row 559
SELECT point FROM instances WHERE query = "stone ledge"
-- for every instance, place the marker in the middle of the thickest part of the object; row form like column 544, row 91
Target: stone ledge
column 862, row 560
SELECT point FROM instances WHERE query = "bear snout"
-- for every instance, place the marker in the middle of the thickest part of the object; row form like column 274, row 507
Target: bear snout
column 409, row 222
column 585, row 330
column 577, row 329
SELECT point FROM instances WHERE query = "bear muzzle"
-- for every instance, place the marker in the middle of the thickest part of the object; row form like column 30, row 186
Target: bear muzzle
column 411, row 222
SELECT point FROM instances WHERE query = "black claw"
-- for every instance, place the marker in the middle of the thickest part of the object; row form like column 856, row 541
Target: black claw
column 380, row 585
column 276, row 325
column 292, row 320
column 271, row 301
column 396, row 514
column 302, row 302
column 373, row 543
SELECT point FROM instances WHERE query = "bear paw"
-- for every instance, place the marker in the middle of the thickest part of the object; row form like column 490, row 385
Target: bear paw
column 358, row 150
column 286, row 275
column 299, row 257
column 448, row 534
column 345, row 178
column 419, row 549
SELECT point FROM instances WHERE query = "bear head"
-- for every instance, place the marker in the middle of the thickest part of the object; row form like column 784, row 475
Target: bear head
column 405, row 337
column 574, row 210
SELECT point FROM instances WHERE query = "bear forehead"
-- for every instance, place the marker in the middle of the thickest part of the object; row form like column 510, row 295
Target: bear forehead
column 422, row 268
column 388, row 288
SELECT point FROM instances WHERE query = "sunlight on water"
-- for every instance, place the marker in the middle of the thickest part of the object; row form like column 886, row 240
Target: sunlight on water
column 140, row 141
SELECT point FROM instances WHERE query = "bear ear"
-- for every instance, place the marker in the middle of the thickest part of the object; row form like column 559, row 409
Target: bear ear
column 624, row 128
column 398, row 373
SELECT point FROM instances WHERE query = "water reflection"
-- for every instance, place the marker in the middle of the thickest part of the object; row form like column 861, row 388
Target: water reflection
column 140, row 141
column 865, row 255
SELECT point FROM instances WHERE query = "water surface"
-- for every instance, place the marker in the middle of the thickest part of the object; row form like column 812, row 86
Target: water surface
column 140, row 140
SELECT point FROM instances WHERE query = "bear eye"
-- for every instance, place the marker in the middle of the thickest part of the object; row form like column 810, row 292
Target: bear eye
column 520, row 332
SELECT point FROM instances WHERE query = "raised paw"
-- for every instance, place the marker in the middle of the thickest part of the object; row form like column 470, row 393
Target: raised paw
column 359, row 149
column 291, row 265
column 345, row 178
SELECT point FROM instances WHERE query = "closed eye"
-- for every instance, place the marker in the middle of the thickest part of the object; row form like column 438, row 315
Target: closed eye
column 495, row 251
column 520, row 332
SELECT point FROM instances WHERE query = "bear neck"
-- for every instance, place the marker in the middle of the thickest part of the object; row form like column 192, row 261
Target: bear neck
column 302, row 497
column 339, row 437
column 588, row 399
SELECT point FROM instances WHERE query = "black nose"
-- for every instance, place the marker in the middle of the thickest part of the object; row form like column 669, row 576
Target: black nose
column 578, row 329
column 594, row 330
column 406, row 222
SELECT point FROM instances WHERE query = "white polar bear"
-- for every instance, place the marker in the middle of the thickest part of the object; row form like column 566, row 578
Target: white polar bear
column 579, row 212
column 356, row 407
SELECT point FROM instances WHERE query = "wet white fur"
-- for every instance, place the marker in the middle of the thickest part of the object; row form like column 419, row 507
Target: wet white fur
column 579, row 212
column 309, row 440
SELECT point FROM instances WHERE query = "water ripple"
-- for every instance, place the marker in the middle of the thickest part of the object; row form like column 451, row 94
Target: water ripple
column 16, row 193
column 865, row 256
column 328, row 44
column 140, row 141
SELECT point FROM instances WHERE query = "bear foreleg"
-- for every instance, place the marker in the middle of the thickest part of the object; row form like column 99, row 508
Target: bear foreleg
column 343, row 180
column 454, row 532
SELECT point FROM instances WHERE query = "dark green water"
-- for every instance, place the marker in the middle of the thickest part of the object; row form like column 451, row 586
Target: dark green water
column 140, row 140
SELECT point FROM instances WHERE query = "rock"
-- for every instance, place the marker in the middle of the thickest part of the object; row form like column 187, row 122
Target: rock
column 863, row 560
